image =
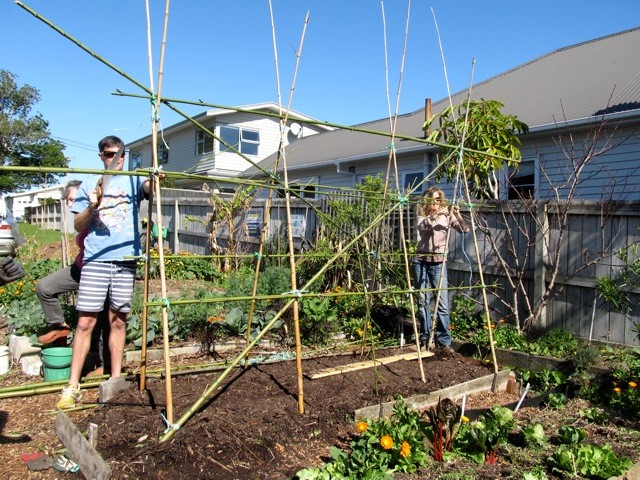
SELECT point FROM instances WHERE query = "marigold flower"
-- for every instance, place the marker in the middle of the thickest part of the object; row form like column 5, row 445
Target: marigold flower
column 464, row 418
column 617, row 389
column 632, row 384
column 405, row 451
column 362, row 426
column 386, row 442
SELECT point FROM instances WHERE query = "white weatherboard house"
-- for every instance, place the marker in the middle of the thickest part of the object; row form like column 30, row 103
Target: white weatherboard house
column 253, row 130
column 562, row 96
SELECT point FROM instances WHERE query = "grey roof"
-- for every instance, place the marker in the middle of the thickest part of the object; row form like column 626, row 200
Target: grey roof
column 569, row 84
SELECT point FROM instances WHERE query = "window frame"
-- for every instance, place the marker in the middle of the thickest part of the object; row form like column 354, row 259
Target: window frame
column 202, row 142
column 243, row 144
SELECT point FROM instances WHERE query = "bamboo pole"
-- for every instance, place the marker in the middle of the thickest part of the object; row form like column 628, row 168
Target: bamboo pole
column 292, row 258
column 393, row 161
column 267, row 205
column 147, row 263
column 156, row 185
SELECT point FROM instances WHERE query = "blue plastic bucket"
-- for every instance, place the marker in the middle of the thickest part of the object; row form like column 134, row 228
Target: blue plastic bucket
column 56, row 363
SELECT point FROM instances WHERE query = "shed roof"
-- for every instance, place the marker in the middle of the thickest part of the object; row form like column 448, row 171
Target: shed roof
column 570, row 84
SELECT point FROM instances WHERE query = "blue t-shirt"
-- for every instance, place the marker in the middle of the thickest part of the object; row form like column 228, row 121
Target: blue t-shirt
column 113, row 228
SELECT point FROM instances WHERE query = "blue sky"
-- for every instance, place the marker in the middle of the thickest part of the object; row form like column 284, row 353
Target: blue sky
column 222, row 52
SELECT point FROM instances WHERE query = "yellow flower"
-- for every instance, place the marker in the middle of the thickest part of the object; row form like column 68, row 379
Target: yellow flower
column 386, row 442
column 464, row 419
column 405, row 451
column 362, row 426
column 632, row 384
column 617, row 389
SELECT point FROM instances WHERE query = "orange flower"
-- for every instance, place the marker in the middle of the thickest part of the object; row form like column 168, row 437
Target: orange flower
column 362, row 426
column 464, row 418
column 632, row 384
column 617, row 389
column 386, row 442
column 405, row 451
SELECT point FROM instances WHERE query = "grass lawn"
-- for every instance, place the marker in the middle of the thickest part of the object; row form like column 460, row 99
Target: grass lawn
column 41, row 236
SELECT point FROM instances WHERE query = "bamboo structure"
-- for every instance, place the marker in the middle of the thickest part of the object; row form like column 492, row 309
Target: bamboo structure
column 390, row 204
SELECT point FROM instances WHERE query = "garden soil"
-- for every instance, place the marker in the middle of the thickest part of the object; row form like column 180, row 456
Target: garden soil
column 250, row 427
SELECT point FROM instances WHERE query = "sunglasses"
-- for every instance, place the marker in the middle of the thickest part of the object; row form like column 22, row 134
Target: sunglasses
column 107, row 154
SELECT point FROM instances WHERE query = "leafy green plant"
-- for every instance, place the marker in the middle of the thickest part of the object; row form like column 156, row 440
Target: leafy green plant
column 185, row 267
column 465, row 317
column 537, row 473
column 381, row 448
column 18, row 299
column 481, row 439
column 534, row 436
column 590, row 461
column 154, row 323
column 556, row 342
column 595, row 415
column 486, row 129
column 556, row 400
column 543, row 380
column 616, row 288
column 619, row 388
column 569, row 435
column 319, row 320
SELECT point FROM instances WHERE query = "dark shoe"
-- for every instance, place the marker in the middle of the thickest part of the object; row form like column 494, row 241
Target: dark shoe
column 446, row 349
column 54, row 334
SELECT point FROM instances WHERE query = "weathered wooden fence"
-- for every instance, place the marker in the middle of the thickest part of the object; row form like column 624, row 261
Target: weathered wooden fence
column 529, row 239
column 533, row 240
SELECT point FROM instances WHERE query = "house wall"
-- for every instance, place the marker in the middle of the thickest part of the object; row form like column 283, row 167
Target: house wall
column 182, row 149
column 612, row 172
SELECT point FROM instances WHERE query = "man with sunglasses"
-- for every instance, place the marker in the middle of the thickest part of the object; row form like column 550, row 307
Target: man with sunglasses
column 108, row 208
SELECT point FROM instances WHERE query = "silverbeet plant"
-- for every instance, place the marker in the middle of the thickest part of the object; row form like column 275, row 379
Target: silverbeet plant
column 481, row 439
column 444, row 420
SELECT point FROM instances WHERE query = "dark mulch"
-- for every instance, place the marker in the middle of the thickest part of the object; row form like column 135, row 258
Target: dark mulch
column 251, row 427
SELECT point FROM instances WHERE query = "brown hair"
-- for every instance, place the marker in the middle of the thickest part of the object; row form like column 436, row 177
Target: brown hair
column 432, row 200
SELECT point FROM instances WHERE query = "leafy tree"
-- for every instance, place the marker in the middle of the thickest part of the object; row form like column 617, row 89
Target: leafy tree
column 487, row 130
column 24, row 138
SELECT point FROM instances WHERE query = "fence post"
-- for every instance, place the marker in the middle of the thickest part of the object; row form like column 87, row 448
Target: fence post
column 176, row 222
column 541, row 260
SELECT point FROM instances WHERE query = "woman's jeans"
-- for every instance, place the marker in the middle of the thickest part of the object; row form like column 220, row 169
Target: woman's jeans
column 427, row 275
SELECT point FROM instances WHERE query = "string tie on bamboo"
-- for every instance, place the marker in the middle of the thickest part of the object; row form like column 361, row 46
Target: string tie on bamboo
column 403, row 200
column 166, row 303
column 170, row 426
column 392, row 147
column 297, row 293
column 257, row 255
column 274, row 175
column 154, row 104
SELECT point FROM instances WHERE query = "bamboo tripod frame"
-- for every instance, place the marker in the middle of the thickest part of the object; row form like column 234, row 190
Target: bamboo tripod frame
column 391, row 204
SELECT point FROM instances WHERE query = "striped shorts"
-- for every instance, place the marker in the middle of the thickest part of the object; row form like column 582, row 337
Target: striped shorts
column 99, row 279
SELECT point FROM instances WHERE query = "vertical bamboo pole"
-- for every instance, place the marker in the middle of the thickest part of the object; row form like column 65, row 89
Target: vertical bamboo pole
column 156, row 184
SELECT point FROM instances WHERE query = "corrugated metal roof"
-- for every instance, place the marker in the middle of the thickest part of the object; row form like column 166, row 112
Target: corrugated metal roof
column 571, row 83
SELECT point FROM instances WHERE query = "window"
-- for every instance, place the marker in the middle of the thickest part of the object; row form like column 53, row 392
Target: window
column 412, row 179
column 522, row 182
column 135, row 159
column 204, row 142
column 163, row 153
column 244, row 140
